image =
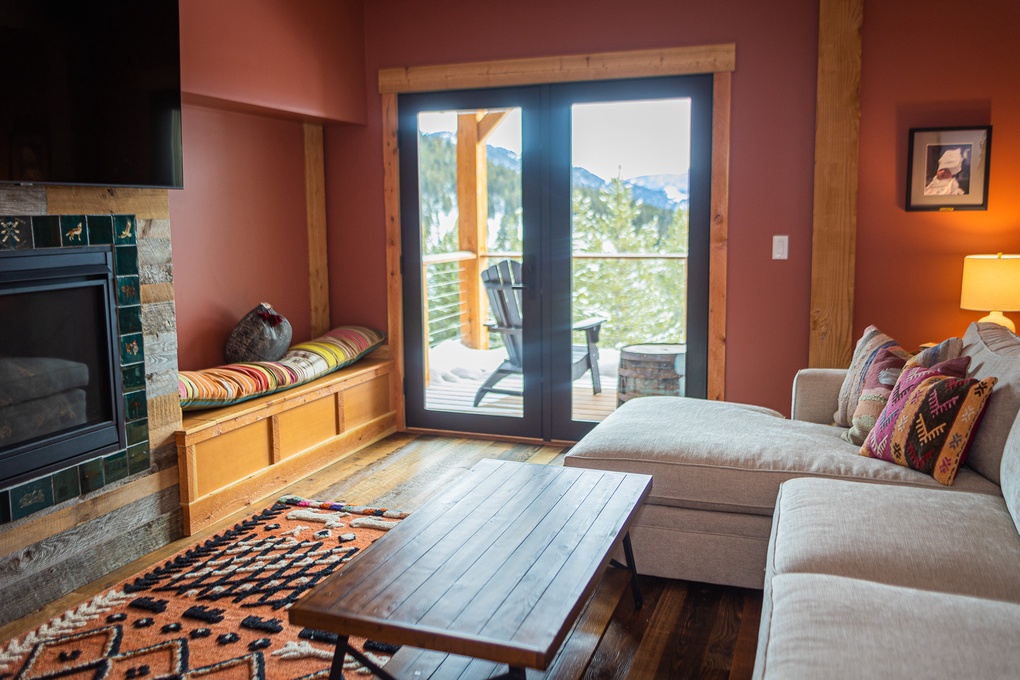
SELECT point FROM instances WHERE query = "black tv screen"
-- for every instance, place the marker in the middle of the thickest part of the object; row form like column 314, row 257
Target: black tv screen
column 91, row 92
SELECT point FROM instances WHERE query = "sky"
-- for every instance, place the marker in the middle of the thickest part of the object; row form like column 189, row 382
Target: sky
column 629, row 139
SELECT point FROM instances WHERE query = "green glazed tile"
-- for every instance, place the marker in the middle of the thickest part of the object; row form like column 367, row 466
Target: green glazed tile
column 73, row 230
column 91, row 475
column 5, row 506
column 116, row 466
column 133, row 377
column 130, row 319
column 137, row 432
column 100, row 229
column 128, row 291
column 132, row 349
column 66, row 485
column 138, row 458
column 124, row 229
column 46, row 231
column 126, row 258
column 15, row 233
column 31, row 497
column 135, row 406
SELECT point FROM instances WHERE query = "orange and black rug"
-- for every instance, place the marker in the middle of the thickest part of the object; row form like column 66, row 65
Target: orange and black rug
column 216, row 610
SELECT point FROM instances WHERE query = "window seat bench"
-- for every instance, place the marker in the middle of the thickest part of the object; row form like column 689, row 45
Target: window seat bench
column 234, row 456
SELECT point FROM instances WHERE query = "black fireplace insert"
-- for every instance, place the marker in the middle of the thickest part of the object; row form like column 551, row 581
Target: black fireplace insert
column 60, row 391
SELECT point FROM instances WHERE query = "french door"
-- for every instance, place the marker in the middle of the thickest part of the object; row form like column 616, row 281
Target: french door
column 543, row 228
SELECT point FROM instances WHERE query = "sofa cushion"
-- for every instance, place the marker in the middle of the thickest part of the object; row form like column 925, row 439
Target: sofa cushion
column 867, row 349
column 1010, row 473
column 930, row 419
column 964, row 543
column 994, row 351
column 713, row 455
column 823, row 626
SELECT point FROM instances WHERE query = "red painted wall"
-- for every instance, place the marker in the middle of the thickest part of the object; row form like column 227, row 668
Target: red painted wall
column 302, row 57
column 239, row 233
column 771, row 147
column 250, row 71
column 930, row 64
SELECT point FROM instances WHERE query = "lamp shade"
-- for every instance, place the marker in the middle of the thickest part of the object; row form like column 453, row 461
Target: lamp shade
column 991, row 283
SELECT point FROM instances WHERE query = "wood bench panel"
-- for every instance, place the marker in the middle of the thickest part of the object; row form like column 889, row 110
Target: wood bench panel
column 222, row 460
column 366, row 401
column 238, row 455
column 309, row 424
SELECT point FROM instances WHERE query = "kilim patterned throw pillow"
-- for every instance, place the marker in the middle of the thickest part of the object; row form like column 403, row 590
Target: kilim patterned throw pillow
column 878, row 383
column 882, row 375
column 930, row 419
column 868, row 347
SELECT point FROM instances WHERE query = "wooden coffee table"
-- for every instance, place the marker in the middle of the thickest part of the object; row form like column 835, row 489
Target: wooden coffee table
column 498, row 568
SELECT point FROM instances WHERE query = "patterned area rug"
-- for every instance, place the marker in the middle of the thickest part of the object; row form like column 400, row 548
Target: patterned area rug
column 217, row 610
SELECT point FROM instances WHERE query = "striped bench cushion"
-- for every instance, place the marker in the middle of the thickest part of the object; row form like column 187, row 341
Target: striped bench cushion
column 304, row 362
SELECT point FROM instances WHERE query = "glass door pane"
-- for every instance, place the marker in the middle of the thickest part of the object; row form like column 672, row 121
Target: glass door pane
column 630, row 163
column 469, row 179
column 467, row 312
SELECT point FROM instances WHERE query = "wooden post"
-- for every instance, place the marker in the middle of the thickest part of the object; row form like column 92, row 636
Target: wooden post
column 834, row 233
column 315, row 207
column 472, row 211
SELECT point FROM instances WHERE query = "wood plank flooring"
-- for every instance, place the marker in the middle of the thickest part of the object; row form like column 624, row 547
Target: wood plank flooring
column 684, row 630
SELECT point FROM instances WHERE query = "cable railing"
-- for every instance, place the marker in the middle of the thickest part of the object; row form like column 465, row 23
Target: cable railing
column 660, row 316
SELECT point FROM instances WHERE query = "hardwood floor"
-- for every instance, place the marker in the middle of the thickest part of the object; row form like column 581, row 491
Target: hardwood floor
column 684, row 630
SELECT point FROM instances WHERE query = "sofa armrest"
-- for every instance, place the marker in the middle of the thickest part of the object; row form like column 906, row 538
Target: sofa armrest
column 816, row 393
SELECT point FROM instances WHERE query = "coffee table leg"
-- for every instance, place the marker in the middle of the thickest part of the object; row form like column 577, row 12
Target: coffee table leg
column 336, row 669
column 512, row 673
column 628, row 552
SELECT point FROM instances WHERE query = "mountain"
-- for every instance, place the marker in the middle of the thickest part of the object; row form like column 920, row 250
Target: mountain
column 677, row 187
column 666, row 192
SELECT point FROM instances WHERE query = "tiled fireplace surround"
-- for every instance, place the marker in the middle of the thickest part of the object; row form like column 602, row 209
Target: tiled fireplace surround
column 79, row 539
column 119, row 232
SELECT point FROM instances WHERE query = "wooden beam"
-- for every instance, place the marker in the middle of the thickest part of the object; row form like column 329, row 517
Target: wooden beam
column 834, row 231
column 719, row 237
column 489, row 122
column 315, row 211
column 144, row 204
column 597, row 66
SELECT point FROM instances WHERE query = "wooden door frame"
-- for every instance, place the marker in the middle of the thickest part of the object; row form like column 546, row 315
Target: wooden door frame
column 719, row 60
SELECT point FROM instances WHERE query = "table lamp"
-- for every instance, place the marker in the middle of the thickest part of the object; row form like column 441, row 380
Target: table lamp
column 991, row 283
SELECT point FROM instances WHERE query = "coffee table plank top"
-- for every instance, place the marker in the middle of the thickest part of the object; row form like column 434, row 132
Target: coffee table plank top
column 497, row 567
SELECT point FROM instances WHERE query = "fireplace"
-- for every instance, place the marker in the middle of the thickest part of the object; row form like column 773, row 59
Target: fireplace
column 73, row 379
column 60, row 391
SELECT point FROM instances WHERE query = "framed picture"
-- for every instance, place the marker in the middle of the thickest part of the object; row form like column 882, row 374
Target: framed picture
column 947, row 168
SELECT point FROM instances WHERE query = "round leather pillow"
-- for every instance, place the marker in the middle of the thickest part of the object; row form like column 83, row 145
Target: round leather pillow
column 262, row 335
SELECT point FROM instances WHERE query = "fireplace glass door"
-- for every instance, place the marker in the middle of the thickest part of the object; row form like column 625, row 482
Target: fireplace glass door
column 59, row 399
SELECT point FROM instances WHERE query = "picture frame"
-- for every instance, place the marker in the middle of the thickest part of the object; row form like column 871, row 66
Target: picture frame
column 947, row 168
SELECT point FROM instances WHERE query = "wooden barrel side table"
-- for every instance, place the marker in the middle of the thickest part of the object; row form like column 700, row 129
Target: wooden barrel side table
column 651, row 369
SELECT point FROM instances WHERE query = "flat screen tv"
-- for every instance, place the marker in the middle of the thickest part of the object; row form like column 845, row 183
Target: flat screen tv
column 91, row 93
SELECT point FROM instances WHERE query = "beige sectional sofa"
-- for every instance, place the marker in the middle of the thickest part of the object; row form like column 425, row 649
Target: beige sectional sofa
column 869, row 569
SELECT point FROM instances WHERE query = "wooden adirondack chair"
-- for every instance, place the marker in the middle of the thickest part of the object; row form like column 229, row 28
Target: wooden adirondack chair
column 503, row 284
